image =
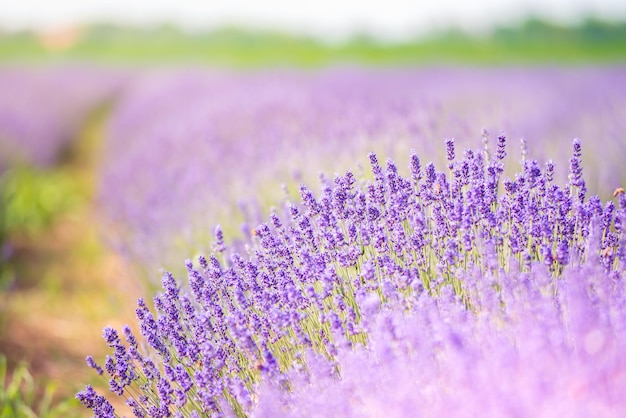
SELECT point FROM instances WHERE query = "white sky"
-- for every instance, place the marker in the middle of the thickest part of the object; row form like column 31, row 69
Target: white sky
column 391, row 19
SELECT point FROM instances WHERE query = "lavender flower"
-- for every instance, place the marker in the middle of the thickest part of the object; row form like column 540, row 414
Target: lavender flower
column 501, row 150
column 100, row 406
column 450, row 149
column 576, row 170
column 91, row 363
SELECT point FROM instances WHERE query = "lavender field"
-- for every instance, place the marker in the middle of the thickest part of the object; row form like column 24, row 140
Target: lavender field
column 348, row 241
column 196, row 149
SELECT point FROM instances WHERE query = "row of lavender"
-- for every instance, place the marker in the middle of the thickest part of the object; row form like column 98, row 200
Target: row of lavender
column 41, row 109
column 459, row 292
column 195, row 147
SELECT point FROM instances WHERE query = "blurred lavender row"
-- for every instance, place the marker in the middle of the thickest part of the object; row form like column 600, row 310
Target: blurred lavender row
column 42, row 108
column 188, row 149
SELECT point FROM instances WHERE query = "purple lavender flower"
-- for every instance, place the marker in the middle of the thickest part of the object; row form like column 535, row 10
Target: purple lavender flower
column 576, row 171
column 450, row 150
column 91, row 363
column 219, row 246
column 549, row 171
column 562, row 253
column 416, row 168
column 97, row 403
column 501, row 149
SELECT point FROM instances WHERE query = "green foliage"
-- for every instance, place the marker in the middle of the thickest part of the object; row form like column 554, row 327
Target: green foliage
column 21, row 396
column 30, row 198
column 533, row 41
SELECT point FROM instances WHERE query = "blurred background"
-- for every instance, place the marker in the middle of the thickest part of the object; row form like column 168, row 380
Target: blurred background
column 242, row 33
column 92, row 90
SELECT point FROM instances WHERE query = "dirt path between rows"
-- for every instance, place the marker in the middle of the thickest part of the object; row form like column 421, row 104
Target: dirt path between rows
column 75, row 285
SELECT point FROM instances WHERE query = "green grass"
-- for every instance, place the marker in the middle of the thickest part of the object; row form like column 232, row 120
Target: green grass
column 30, row 200
column 534, row 41
column 31, row 197
column 21, row 396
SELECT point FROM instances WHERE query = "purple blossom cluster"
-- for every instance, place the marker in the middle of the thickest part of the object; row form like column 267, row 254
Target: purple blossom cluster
column 41, row 109
column 439, row 293
column 529, row 346
column 187, row 148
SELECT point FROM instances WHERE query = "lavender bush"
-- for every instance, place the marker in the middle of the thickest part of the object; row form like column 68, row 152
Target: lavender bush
column 186, row 148
column 457, row 292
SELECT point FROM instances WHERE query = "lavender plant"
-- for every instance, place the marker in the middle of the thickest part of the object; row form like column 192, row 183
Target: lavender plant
column 186, row 148
column 439, row 293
